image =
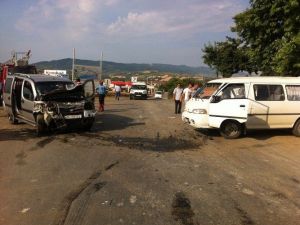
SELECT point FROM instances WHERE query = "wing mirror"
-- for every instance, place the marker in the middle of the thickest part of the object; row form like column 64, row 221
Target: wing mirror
column 215, row 99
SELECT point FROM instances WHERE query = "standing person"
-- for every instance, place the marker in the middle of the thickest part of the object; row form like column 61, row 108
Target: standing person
column 118, row 91
column 101, row 89
column 187, row 93
column 177, row 98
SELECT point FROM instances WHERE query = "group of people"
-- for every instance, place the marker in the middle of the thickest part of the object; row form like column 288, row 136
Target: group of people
column 183, row 95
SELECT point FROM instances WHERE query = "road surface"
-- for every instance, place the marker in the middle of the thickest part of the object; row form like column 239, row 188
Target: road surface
column 141, row 165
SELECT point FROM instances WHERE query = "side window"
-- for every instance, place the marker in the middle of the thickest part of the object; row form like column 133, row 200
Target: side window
column 27, row 91
column 7, row 88
column 233, row 91
column 265, row 92
column 293, row 92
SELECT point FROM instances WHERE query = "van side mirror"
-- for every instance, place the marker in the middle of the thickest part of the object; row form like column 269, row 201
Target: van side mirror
column 215, row 99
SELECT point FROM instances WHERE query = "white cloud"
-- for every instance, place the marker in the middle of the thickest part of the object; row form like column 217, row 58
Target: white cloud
column 210, row 16
column 71, row 17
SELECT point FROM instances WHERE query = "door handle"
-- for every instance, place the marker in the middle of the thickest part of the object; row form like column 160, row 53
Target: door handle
column 22, row 100
column 242, row 105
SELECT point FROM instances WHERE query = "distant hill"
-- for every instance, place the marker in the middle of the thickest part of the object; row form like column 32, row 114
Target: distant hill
column 112, row 67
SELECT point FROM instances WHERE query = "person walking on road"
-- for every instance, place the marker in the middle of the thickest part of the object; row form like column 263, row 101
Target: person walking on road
column 177, row 98
column 101, row 89
column 187, row 93
column 118, row 92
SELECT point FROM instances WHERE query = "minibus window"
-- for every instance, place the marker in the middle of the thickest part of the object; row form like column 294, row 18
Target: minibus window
column 232, row 91
column 293, row 92
column 264, row 92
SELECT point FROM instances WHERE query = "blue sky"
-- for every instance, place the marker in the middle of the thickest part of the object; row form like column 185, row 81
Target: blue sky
column 129, row 31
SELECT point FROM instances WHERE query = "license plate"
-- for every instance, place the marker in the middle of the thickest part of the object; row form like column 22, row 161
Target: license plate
column 137, row 95
column 73, row 116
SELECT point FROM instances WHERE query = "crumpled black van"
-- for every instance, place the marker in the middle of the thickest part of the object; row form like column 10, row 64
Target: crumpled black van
column 49, row 103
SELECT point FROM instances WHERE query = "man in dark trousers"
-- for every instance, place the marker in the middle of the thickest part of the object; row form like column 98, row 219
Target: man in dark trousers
column 177, row 96
column 101, row 89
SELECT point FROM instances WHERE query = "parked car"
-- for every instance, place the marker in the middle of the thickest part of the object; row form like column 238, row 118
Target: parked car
column 138, row 90
column 158, row 95
column 49, row 103
column 234, row 105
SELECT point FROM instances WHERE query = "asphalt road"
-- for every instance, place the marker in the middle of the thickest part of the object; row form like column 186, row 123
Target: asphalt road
column 141, row 165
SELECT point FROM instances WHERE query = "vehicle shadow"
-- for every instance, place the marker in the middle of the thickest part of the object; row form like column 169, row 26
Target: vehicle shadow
column 267, row 134
column 17, row 134
column 108, row 122
column 255, row 134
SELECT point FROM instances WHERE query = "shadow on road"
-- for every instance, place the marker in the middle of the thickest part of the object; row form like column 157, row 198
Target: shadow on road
column 108, row 122
column 19, row 134
column 256, row 134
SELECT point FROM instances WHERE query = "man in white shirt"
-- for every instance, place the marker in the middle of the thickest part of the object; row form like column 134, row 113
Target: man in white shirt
column 118, row 92
column 177, row 96
column 187, row 92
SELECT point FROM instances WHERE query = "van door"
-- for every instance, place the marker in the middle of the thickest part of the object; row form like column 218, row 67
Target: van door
column 7, row 98
column 89, row 89
column 269, row 107
column 27, row 101
column 229, row 103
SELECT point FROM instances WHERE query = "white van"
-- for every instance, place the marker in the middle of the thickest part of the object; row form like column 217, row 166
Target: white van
column 234, row 105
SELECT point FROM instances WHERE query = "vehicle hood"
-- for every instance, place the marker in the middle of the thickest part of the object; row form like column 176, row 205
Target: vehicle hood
column 74, row 94
column 196, row 103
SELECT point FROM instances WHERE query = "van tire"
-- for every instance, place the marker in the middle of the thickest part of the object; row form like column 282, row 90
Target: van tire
column 296, row 128
column 41, row 126
column 12, row 119
column 231, row 129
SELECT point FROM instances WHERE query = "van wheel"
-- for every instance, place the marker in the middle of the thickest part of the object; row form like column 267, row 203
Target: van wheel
column 231, row 129
column 12, row 119
column 296, row 129
column 41, row 127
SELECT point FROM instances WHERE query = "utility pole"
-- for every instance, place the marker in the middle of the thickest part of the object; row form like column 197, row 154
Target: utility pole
column 101, row 66
column 73, row 65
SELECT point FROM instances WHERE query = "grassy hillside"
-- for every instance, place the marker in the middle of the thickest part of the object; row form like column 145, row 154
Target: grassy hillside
column 112, row 67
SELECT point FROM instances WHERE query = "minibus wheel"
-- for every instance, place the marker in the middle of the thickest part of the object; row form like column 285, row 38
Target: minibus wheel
column 296, row 128
column 231, row 129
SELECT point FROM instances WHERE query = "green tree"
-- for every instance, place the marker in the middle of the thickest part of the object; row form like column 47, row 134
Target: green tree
column 227, row 57
column 271, row 31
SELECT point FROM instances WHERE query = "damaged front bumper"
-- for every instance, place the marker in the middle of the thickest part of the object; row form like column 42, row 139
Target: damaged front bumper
column 58, row 115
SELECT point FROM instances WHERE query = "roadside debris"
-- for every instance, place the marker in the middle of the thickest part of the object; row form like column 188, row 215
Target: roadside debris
column 25, row 210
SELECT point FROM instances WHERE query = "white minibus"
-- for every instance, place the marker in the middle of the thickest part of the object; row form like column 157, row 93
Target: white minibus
column 234, row 105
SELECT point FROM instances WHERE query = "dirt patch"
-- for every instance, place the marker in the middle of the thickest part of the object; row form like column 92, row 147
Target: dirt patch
column 182, row 210
column 168, row 144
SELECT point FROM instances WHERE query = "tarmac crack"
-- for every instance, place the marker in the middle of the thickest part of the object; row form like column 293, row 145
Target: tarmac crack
column 245, row 218
column 81, row 195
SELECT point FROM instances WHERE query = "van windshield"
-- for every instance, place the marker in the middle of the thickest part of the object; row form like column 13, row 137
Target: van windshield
column 207, row 90
column 47, row 87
